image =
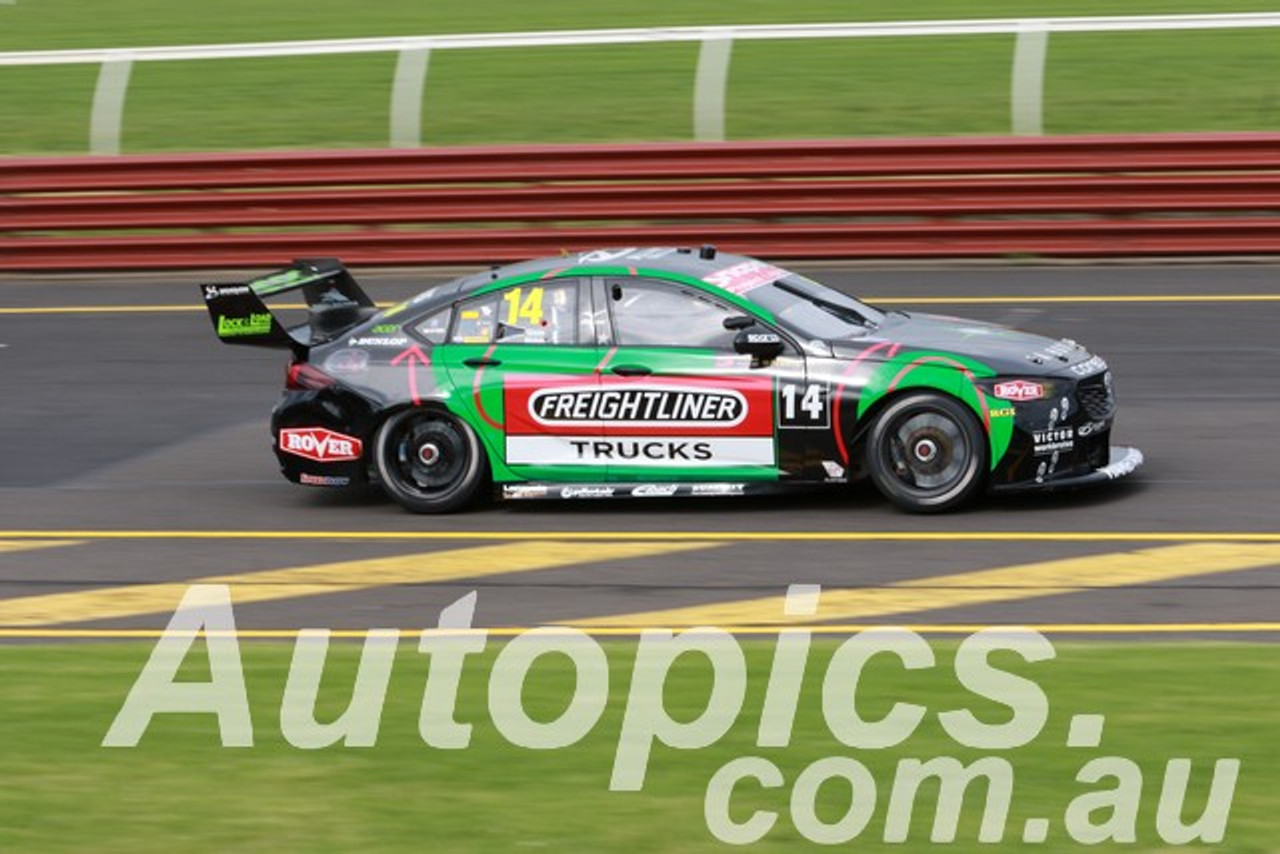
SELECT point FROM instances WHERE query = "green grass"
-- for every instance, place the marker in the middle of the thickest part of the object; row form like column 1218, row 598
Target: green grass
column 1115, row 82
column 180, row 791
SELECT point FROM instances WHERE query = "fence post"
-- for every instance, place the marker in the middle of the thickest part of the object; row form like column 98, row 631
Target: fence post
column 108, row 104
column 1027, row 100
column 406, row 96
column 709, row 87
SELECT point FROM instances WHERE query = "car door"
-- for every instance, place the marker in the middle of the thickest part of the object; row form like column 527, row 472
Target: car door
column 681, row 404
column 511, row 355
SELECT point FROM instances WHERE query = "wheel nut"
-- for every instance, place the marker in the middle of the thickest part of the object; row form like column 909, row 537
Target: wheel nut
column 429, row 454
column 925, row 450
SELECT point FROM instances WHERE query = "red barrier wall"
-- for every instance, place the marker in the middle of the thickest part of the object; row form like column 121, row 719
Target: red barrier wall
column 953, row 197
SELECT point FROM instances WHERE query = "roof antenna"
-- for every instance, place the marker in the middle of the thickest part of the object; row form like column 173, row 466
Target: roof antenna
column 707, row 252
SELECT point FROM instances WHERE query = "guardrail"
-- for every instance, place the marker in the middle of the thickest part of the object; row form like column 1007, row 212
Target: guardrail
column 710, row 78
column 963, row 197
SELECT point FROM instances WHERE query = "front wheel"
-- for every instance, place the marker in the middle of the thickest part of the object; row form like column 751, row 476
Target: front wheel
column 429, row 461
column 927, row 453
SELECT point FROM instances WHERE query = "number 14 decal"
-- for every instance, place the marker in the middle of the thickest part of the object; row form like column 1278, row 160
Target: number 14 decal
column 804, row 405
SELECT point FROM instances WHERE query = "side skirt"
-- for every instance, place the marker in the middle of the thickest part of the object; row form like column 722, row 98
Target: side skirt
column 540, row 490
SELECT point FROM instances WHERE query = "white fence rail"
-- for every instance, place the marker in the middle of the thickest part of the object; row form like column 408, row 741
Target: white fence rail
column 711, row 79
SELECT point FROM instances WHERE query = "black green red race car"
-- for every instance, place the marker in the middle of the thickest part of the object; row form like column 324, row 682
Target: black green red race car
column 662, row 372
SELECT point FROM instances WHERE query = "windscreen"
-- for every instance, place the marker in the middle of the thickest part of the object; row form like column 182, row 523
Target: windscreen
column 813, row 310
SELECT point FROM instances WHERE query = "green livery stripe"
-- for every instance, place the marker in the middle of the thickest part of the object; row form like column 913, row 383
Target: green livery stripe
column 739, row 301
column 946, row 372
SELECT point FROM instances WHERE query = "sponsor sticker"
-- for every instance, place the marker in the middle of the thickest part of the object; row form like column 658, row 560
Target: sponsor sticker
column 1054, row 440
column 1123, row 466
column 745, row 276
column 688, row 406
column 1019, row 390
column 587, row 491
column 666, row 451
column 212, row 292
column 682, row 422
column 524, row 490
column 1091, row 428
column 323, row 480
column 716, row 489
column 254, row 324
column 1003, row 412
column 637, row 405
column 320, row 444
column 378, row 341
column 655, row 490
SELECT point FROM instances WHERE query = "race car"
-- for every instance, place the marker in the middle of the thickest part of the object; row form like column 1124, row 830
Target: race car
column 663, row 372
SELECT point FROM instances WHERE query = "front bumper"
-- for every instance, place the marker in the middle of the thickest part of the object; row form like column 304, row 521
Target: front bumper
column 1123, row 461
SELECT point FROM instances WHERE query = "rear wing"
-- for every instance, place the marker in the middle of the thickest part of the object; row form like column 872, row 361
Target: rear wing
column 334, row 304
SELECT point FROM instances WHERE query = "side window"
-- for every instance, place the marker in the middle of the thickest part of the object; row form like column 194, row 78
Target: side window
column 647, row 313
column 435, row 327
column 525, row 314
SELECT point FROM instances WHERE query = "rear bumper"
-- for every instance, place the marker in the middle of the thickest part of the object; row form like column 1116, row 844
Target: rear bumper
column 329, row 411
column 1123, row 461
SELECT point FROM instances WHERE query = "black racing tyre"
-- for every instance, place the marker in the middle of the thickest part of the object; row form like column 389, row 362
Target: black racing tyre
column 927, row 452
column 430, row 461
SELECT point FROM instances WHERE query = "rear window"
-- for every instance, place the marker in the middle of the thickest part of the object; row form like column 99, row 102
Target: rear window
column 436, row 327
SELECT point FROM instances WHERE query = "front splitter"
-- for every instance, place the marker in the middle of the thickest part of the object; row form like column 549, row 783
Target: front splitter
column 1124, row 461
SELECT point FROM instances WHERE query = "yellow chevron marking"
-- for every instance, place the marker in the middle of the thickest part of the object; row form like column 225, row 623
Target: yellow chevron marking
column 8, row 546
column 322, row 579
column 1006, row 584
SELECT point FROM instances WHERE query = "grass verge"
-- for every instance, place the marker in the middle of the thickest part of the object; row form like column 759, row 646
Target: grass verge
column 1105, row 82
column 64, row 792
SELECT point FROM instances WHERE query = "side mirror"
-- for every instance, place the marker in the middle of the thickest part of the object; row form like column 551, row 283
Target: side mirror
column 758, row 343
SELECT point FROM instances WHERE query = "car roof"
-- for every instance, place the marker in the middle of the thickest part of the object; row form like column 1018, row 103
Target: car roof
column 725, row 274
column 683, row 262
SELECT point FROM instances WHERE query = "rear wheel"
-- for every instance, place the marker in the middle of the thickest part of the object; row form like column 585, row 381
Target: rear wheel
column 927, row 453
column 429, row 461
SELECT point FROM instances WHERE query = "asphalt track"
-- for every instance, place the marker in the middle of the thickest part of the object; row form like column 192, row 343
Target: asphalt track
column 135, row 459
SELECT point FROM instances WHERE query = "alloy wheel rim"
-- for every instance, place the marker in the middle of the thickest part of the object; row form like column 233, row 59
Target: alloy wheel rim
column 927, row 452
